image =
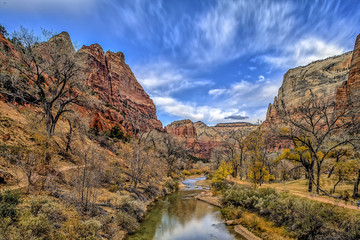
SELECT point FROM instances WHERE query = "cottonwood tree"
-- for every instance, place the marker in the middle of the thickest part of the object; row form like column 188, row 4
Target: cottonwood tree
column 258, row 160
column 300, row 154
column 317, row 127
column 47, row 75
column 236, row 143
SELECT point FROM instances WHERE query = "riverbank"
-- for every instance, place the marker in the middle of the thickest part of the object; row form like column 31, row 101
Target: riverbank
column 208, row 197
column 181, row 216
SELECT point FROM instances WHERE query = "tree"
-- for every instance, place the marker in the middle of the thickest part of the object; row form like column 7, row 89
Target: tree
column 169, row 149
column 300, row 154
column 318, row 127
column 224, row 170
column 47, row 75
column 344, row 171
column 237, row 143
column 137, row 159
column 86, row 179
column 3, row 31
column 257, row 151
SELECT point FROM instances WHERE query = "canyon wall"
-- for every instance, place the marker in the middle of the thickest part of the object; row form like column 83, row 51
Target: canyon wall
column 335, row 79
column 123, row 101
column 201, row 139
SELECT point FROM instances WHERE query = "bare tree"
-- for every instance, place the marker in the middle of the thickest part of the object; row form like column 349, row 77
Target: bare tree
column 86, row 179
column 46, row 75
column 317, row 127
column 237, row 143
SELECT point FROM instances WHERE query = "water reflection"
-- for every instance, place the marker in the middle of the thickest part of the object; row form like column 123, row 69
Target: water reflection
column 181, row 216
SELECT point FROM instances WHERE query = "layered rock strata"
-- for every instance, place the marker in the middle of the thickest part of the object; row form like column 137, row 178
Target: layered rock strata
column 124, row 102
column 202, row 139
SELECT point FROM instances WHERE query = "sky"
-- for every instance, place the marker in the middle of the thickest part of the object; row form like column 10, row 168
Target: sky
column 211, row 61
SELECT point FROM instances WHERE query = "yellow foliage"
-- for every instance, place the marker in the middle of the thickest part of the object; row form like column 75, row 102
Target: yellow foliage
column 224, row 170
column 259, row 172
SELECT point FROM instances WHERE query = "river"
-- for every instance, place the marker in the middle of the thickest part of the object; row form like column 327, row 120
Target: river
column 180, row 216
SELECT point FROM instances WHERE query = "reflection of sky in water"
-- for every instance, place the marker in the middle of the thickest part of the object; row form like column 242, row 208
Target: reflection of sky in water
column 209, row 226
column 181, row 217
column 191, row 183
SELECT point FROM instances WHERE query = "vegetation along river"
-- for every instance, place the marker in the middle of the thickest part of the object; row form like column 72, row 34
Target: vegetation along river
column 181, row 216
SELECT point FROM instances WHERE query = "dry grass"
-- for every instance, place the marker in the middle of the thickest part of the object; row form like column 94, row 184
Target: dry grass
column 301, row 185
column 262, row 228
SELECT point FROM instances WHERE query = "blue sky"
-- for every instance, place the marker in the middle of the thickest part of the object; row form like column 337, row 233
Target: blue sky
column 213, row 61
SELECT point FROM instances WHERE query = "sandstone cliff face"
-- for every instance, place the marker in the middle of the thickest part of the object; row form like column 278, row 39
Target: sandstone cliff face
column 333, row 79
column 321, row 78
column 202, row 139
column 110, row 79
column 349, row 90
column 113, row 81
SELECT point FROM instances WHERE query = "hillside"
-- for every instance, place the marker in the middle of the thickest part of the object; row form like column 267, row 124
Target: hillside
column 77, row 179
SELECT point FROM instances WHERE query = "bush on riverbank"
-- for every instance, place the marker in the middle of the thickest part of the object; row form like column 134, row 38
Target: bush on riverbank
column 303, row 218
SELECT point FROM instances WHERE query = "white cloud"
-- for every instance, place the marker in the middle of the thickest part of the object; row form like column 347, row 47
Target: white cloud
column 304, row 52
column 217, row 92
column 163, row 78
column 211, row 115
column 223, row 33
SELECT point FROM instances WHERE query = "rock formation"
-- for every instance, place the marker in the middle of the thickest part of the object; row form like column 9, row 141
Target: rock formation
column 202, row 139
column 110, row 79
column 335, row 79
column 349, row 90
column 321, row 78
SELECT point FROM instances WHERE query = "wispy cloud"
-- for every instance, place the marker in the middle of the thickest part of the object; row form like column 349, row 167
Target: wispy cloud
column 304, row 52
column 209, row 114
column 217, row 92
column 163, row 78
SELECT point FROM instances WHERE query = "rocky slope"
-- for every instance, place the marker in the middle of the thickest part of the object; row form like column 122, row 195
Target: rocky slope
column 335, row 79
column 123, row 100
column 322, row 78
column 202, row 139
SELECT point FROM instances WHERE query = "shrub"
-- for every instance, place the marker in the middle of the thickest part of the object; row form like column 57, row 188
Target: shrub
column 88, row 229
column 304, row 218
column 127, row 222
column 35, row 227
column 51, row 210
column 231, row 212
column 132, row 207
column 8, row 202
column 114, row 188
column 172, row 185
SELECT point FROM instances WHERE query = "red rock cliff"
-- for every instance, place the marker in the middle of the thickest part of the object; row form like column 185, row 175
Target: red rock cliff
column 124, row 101
column 349, row 90
column 113, row 81
column 202, row 139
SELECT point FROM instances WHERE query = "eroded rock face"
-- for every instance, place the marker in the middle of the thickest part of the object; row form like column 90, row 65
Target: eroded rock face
column 350, row 89
column 202, row 139
column 327, row 79
column 110, row 79
column 113, row 81
column 320, row 78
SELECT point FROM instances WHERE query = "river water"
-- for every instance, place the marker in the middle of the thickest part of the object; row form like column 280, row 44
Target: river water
column 180, row 216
